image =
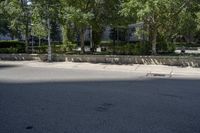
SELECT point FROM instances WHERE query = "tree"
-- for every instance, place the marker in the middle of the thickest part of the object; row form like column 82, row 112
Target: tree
column 38, row 25
column 157, row 15
column 80, row 15
column 106, row 13
column 101, row 13
column 17, row 12
column 4, row 28
column 46, row 11
column 71, row 14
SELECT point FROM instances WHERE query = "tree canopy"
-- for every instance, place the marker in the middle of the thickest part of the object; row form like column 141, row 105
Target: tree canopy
column 160, row 16
column 163, row 19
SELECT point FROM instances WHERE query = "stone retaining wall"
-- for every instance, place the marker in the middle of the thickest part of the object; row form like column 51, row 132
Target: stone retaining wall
column 28, row 57
column 155, row 60
column 111, row 59
column 19, row 57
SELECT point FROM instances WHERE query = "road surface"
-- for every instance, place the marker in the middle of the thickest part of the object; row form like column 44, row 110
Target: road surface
column 57, row 100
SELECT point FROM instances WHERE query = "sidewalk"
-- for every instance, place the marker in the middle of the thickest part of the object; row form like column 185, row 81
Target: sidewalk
column 136, row 68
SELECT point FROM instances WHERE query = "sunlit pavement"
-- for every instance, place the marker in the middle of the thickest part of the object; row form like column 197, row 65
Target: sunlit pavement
column 175, row 71
column 68, row 97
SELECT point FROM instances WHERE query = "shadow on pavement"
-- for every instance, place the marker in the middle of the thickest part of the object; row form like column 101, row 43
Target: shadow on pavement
column 146, row 106
column 2, row 66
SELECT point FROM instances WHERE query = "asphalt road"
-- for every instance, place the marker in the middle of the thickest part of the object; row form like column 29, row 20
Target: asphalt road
column 52, row 100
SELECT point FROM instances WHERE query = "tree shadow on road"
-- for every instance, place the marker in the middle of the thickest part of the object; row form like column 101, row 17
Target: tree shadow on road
column 3, row 66
column 151, row 105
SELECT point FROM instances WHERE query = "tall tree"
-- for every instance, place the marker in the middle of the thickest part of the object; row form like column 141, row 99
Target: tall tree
column 4, row 28
column 155, row 14
column 100, row 14
column 44, row 13
column 81, row 15
column 17, row 12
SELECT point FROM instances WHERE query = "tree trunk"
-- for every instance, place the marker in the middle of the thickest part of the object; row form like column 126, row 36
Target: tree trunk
column 27, row 37
column 65, row 34
column 114, row 48
column 49, row 41
column 82, row 41
column 39, row 41
column 154, row 42
column 91, row 40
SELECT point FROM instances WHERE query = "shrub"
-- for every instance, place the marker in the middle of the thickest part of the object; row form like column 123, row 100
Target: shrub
column 133, row 49
column 12, row 47
column 41, row 49
column 187, row 45
column 58, row 49
column 68, row 47
column 63, row 48
column 8, row 50
column 139, row 48
column 166, row 47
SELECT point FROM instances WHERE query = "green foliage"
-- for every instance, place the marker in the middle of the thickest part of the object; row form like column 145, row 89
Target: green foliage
column 128, row 49
column 12, row 47
column 160, row 16
column 56, row 48
column 141, row 48
column 8, row 50
column 187, row 45
column 64, row 48
column 166, row 47
column 133, row 49
column 41, row 49
column 17, row 14
column 4, row 24
column 198, row 20
column 38, row 25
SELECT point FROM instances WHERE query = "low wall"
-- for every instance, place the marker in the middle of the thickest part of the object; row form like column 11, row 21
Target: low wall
column 111, row 59
column 155, row 60
column 19, row 57
column 28, row 57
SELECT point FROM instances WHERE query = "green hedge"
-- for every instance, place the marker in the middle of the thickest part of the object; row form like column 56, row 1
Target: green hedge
column 128, row 48
column 41, row 49
column 187, row 45
column 12, row 47
column 134, row 49
column 8, row 50
column 166, row 48
column 58, row 49
column 139, row 48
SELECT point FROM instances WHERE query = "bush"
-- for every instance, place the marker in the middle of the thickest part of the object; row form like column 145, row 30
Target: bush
column 68, row 47
column 63, row 48
column 165, row 47
column 8, row 50
column 58, row 49
column 139, row 48
column 133, row 49
column 41, row 49
column 187, row 45
column 12, row 47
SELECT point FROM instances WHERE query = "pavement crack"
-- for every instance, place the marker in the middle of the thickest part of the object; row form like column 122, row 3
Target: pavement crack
column 104, row 107
column 137, row 67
